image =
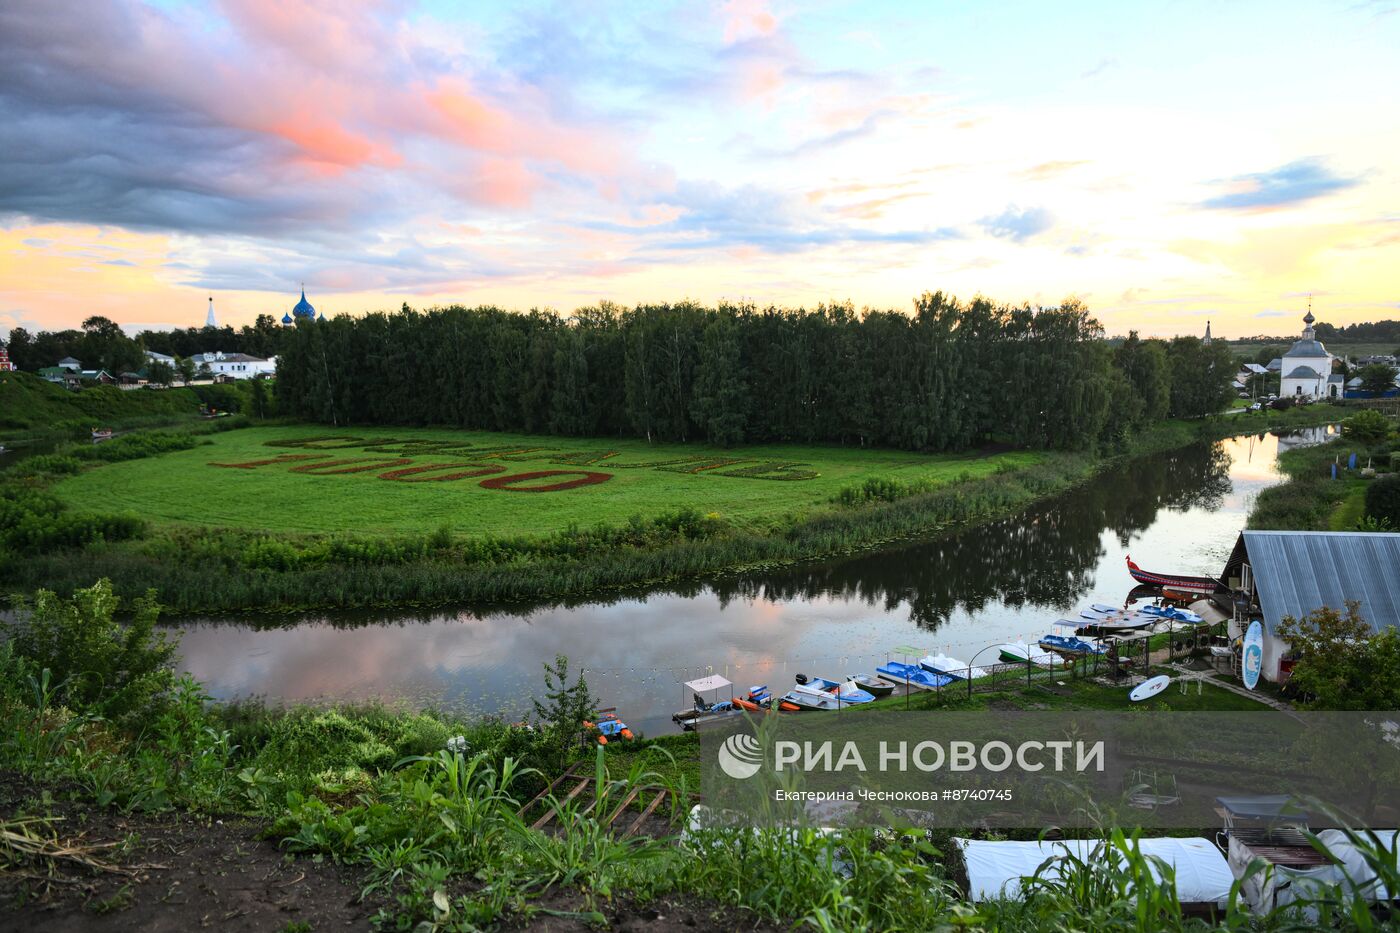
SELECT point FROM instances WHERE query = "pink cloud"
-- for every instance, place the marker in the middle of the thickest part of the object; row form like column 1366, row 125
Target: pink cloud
column 747, row 19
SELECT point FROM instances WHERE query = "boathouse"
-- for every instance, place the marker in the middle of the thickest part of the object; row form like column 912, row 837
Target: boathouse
column 1274, row 574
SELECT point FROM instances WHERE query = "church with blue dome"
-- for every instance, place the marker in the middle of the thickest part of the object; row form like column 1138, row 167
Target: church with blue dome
column 302, row 311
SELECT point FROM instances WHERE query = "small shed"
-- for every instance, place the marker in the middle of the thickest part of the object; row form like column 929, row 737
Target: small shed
column 1293, row 573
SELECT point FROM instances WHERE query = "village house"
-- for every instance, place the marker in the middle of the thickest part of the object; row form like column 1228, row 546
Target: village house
column 1277, row 574
column 226, row 366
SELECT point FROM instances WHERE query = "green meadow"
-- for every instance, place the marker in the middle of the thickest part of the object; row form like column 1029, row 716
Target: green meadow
column 189, row 487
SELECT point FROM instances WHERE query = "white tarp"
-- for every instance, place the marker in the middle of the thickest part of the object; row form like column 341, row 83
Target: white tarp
column 706, row 684
column 995, row 869
column 1283, row 885
column 1354, row 865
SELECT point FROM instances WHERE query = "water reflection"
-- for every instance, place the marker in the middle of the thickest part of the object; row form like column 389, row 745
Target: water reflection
column 1047, row 556
column 1179, row 511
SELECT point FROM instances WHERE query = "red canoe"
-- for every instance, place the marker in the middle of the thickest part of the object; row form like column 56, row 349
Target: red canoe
column 1202, row 585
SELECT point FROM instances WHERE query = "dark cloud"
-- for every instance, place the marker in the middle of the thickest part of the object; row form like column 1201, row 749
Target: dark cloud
column 1290, row 184
column 1018, row 225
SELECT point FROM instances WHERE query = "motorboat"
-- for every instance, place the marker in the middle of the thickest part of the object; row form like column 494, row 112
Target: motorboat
column 847, row 692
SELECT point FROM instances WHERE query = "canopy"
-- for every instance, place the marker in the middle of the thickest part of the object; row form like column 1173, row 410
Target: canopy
column 995, row 869
column 1264, row 807
column 706, row 684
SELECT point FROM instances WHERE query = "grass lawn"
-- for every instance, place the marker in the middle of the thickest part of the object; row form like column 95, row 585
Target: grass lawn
column 1351, row 509
column 186, row 488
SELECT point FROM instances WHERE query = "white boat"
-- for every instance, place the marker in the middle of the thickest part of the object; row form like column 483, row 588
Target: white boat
column 942, row 664
column 1018, row 652
column 1117, row 621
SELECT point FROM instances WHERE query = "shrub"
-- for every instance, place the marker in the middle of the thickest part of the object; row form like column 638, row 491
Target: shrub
column 1367, row 427
column 1383, row 500
column 122, row 672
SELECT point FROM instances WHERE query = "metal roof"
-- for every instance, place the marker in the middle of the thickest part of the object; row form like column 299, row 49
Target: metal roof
column 1296, row 572
column 1304, row 372
column 1307, row 348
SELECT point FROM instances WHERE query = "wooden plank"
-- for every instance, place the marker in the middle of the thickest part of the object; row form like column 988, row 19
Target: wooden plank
column 568, row 773
column 631, row 796
column 549, row 814
column 651, row 807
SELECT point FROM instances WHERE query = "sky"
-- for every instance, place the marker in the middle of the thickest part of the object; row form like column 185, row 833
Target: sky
column 1167, row 163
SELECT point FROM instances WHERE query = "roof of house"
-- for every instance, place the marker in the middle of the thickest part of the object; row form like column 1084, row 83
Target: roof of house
column 53, row 371
column 1335, row 378
column 1304, row 372
column 69, row 360
column 242, row 358
column 1296, row 572
column 1256, row 368
column 1275, row 364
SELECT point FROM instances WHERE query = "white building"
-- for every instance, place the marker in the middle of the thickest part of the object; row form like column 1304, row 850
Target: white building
column 235, row 365
column 1307, row 368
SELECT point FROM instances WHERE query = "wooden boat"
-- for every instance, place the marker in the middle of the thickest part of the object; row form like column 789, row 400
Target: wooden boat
column 912, row 675
column 1181, row 584
column 871, row 685
column 101, row 434
column 942, row 664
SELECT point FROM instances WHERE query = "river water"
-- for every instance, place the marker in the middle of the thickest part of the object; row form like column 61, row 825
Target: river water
column 1177, row 512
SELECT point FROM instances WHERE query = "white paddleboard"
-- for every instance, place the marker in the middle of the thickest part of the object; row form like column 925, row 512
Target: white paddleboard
column 1149, row 688
column 1252, row 654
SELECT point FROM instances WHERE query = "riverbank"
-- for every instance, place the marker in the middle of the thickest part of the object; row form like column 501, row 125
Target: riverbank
column 305, row 809
column 236, row 570
column 1311, row 499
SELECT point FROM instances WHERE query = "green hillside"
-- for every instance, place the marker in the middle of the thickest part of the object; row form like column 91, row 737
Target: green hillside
column 30, row 403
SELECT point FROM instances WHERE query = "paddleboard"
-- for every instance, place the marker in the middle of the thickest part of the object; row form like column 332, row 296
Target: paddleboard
column 1253, row 655
column 1149, row 688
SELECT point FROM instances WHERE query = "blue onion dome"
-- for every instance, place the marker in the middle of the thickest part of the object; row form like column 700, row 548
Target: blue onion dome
column 286, row 319
column 303, row 308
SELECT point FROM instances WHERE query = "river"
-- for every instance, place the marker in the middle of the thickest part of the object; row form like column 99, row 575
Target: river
column 1177, row 512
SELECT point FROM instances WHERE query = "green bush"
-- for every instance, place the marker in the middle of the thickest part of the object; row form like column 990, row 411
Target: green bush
column 122, row 672
column 1383, row 500
column 1367, row 427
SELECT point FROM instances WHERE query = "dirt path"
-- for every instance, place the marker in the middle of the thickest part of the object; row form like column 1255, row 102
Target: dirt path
column 172, row 872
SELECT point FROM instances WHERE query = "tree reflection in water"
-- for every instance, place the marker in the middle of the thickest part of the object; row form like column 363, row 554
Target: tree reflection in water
column 1045, row 556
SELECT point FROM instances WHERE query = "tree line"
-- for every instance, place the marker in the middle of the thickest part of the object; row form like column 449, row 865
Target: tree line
column 949, row 376
column 102, row 344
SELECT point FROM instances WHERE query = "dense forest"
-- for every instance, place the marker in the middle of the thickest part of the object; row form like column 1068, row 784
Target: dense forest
column 949, row 376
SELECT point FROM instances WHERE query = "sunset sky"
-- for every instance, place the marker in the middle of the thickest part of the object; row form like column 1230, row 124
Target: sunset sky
column 1167, row 163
